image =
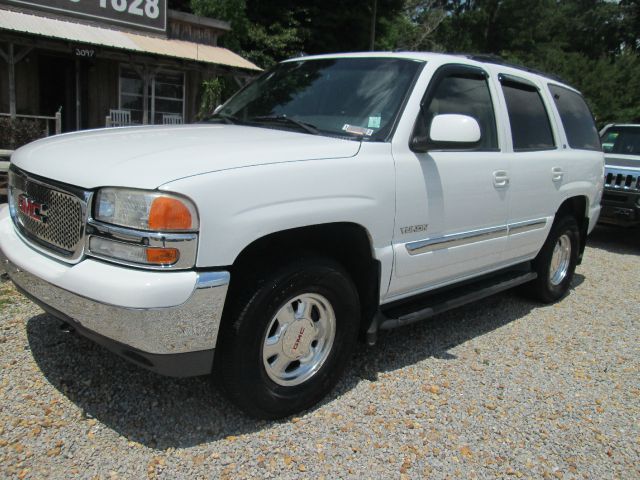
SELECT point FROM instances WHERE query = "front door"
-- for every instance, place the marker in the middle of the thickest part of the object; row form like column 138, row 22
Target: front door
column 451, row 202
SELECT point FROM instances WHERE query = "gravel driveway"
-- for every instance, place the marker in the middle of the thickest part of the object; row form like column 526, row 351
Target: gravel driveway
column 501, row 388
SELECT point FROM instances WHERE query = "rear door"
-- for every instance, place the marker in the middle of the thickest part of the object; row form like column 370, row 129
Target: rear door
column 537, row 166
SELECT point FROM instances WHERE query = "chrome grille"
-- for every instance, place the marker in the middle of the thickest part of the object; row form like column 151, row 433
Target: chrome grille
column 61, row 231
column 622, row 180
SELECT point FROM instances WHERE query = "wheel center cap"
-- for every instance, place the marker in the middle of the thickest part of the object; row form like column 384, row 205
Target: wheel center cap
column 297, row 339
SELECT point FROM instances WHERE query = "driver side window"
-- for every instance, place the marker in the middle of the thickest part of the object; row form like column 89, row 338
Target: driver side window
column 465, row 93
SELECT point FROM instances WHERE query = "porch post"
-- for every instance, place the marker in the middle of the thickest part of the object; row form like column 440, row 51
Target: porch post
column 147, row 74
column 11, row 58
column 12, row 82
column 78, row 93
column 145, row 97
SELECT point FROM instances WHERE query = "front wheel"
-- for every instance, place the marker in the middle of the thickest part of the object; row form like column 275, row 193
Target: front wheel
column 556, row 262
column 286, row 341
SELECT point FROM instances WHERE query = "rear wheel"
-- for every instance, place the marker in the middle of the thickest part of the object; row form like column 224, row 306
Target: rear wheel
column 556, row 262
column 287, row 339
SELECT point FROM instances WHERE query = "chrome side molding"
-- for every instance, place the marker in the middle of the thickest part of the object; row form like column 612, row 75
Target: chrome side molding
column 472, row 236
column 527, row 226
column 456, row 239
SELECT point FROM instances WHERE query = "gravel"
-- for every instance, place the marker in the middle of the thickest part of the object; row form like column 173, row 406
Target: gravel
column 501, row 388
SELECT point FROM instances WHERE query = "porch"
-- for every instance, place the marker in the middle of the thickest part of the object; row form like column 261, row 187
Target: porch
column 70, row 76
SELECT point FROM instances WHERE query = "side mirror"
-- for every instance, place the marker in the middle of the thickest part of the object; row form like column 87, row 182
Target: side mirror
column 449, row 131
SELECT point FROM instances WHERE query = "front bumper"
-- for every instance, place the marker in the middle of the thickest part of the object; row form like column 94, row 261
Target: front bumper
column 176, row 339
column 620, row 207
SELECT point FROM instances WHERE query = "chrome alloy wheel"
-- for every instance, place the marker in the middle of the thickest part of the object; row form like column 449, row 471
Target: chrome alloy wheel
column 560, row 260
column 299, row 339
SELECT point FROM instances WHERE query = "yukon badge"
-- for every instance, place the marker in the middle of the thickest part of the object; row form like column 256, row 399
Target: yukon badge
column 32, row 209
column 413, row 229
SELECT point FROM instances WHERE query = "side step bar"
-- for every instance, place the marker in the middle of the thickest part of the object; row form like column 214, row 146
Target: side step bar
column 440, row 301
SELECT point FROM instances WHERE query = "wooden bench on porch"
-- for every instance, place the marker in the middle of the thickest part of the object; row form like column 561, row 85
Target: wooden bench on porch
column 118, row 118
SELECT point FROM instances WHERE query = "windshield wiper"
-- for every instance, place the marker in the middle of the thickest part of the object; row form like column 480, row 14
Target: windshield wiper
column 229, row 119
column 307, row 127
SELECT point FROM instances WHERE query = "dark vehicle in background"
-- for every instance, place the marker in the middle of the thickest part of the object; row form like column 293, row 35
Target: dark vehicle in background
column 621, row 196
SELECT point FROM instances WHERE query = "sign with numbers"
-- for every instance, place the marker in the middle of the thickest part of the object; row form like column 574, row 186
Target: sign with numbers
column 147, row 14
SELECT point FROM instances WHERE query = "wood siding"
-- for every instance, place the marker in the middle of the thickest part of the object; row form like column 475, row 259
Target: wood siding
column 103, row 78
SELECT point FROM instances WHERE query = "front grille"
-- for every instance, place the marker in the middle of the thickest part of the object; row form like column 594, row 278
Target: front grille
column 625, row 180
column 61, row 228
column 612, row 197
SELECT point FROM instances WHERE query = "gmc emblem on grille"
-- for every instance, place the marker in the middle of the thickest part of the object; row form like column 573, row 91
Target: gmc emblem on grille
column 32, row 209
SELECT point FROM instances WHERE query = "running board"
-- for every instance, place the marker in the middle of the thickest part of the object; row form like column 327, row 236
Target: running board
column 441, row 301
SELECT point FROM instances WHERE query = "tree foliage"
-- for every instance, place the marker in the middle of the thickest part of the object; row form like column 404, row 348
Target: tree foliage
column 267, row 32
column 592, row 44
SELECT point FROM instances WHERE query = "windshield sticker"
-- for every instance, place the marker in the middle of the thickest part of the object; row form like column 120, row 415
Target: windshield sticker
column 357, row 130
column 374, row 122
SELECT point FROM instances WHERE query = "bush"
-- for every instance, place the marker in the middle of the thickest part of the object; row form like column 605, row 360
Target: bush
column 211, row 93
column 15, row 133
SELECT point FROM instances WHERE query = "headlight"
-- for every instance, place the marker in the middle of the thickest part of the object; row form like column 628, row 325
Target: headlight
column 143, row 210
column 147, row 229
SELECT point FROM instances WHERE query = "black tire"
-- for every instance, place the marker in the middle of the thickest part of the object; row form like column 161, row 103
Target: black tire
column 239, row 367
column 543, row 288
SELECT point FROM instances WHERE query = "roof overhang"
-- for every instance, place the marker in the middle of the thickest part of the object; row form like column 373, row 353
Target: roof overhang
column 70, row 31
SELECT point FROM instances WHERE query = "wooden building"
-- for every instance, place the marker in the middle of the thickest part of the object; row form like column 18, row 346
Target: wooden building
column 128, row 61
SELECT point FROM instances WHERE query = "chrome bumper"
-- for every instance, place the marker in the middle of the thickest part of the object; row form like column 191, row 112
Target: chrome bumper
column 190, row 327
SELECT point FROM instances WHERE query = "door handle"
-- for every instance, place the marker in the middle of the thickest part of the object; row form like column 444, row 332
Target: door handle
column 500, row 179
column 557, row 174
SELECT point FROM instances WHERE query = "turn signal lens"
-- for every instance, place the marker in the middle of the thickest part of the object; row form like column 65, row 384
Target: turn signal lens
column 169, row 214
column 136, row 254
column 162, row 256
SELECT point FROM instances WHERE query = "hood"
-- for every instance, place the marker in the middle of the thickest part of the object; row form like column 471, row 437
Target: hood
column 622, row 161
column 147, row 157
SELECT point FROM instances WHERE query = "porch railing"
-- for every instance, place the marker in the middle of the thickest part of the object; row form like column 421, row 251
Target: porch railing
column 54, row 121
column 4, row 168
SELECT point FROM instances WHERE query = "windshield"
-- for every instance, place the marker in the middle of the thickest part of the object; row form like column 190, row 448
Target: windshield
column 353, row 97
column 622, row 140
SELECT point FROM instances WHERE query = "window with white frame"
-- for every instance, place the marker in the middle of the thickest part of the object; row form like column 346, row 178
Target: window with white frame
column 166, row 95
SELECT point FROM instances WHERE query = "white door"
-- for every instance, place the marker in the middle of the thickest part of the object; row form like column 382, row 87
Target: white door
column 451, row 201
column 537, row 166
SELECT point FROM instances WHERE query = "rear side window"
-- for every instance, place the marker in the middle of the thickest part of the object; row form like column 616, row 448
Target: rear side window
column 530, row 127
column 576, row 119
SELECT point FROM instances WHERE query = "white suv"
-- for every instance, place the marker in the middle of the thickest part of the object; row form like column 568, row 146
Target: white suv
column 333, row 197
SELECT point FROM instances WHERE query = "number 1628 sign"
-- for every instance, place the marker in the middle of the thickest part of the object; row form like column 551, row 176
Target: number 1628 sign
column 147, row 14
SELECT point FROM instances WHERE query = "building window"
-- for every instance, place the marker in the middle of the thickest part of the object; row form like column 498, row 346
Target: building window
column 166, row 95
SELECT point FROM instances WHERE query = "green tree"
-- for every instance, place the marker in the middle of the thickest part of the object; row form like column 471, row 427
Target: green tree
column 591, row 44
column 267, row 32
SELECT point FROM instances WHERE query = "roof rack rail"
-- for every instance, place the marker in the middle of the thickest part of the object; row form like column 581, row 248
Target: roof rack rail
column 498, row 60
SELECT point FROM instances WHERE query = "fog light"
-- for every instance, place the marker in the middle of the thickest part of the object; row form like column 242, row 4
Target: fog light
column 133, row 253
